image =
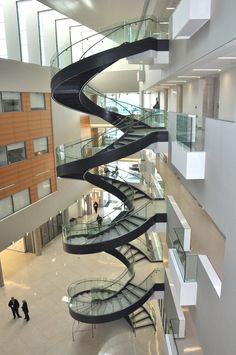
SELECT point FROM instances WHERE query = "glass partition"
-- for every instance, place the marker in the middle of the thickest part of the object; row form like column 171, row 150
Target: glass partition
column 186, row 261
column 190, row 131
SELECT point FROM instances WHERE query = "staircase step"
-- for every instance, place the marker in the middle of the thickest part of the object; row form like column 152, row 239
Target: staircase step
column 135, row 290
column 121, row 229
column 132, row 298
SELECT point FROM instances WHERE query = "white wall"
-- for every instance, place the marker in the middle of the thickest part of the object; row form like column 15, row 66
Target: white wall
column 172, row 99
column 227, row 101
column 116, row 81
column 206, row 316
column 17, row 76
column 193, row 97
column 66, row 124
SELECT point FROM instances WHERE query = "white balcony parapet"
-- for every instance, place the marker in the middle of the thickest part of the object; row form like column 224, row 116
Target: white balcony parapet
column 191, row 164
column 186, row 292
column 189, row 17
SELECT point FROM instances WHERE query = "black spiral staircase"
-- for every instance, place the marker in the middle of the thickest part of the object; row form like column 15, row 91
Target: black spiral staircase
column 94, row 300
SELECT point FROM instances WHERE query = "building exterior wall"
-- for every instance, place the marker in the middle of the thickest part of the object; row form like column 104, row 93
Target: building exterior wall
column 25, row 126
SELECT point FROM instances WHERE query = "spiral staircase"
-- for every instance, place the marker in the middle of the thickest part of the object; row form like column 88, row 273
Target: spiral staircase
column 122, row 231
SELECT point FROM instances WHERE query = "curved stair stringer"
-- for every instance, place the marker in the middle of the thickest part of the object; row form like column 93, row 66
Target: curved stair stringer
column 67, row 88
column 77, row 168
column 68, row 83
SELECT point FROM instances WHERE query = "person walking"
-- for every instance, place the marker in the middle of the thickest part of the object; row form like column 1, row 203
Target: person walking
column 25, row 310
column 99, row 220
column 95, row 206
column 14, row 305
column 157, row 104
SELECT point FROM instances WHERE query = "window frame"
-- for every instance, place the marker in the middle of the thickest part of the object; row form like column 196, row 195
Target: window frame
column 44, row 101
column 1, row 102
column 50, row 182
column 8, row 163
column 38, row 153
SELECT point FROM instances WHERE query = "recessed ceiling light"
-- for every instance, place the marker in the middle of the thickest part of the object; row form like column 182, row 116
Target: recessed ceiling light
column 189, row 76
column 229, row 58
column 177, row 81
column 164, row 23
column 182, row 37
column 170, row 8
column 205, row 69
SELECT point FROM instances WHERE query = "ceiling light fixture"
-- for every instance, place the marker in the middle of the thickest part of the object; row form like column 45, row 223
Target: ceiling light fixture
column 205, row 69
column 170, row 8
column 164, row 23
column 177, row 81
column 189, row 76
column 227, row 58
column 182, row 37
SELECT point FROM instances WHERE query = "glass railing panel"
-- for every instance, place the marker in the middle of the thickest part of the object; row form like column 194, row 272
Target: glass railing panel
column 178, row 237
column 172, row 332
column 191, row 267
column 153, row 118
column 180, row 259
column 187, row 264
column 106, row 38
column 190, row 131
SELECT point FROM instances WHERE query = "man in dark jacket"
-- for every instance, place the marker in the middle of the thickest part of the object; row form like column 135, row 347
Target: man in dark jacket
column 25, row 310
column 14, row 305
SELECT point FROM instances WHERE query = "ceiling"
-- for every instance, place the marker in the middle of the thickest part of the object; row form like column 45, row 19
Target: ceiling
column 221, row 59
column 98, row 14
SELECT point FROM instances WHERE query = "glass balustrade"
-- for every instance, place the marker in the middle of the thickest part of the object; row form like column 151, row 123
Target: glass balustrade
column 105, row 39
column 186, row 261
column 109, row 289
column 84, row 301
column 84, row 233
column 173, row 326
column 130, row 178
column 190, row 131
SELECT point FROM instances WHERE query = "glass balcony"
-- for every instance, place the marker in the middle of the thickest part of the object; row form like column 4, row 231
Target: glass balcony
column 190, row 131
column 186, row 261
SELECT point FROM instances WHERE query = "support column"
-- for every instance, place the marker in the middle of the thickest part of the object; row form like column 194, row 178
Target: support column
column 165, row 99
column 1, row 276
column 179, row 104
column 37, row 242
column 141, row 98
column 65, row 216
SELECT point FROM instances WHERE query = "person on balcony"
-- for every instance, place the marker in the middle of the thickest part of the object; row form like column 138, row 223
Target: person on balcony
column 157, row 104
column 95, row 206
column 99, row 220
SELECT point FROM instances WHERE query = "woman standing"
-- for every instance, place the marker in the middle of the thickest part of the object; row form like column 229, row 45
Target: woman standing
column 25, row 310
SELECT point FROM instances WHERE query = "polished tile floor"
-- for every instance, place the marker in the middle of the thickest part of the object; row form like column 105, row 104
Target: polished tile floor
column 43, row 281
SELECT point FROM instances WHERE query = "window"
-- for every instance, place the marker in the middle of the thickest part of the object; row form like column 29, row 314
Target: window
column 16, row 152
column 40, row 146
column 44, row 188
column 21, row 199
column 14, row 203
column 37, row 101
column 10, row 101
column 6, row 207
column 3, row 155
column 3, row 42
